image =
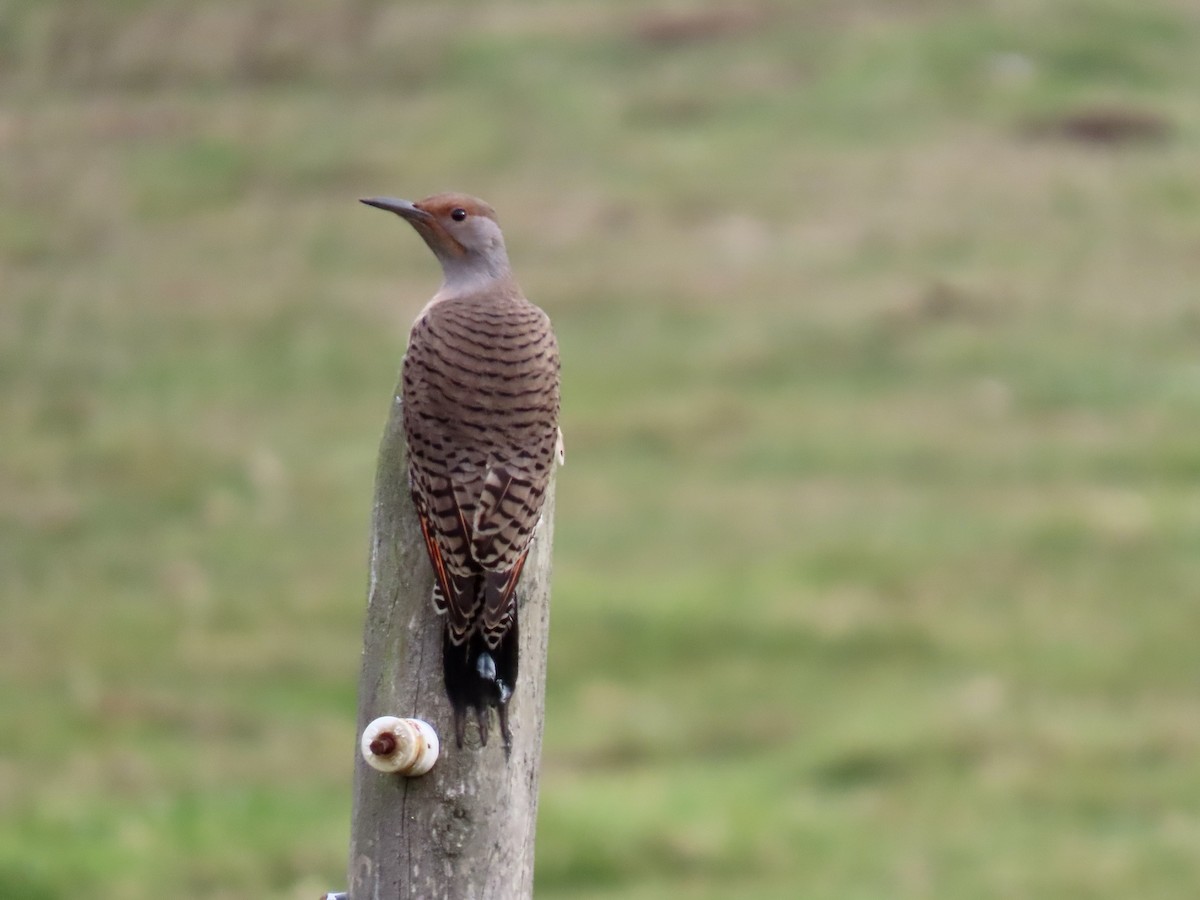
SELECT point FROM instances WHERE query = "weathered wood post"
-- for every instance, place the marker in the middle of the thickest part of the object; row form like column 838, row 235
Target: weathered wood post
column 465, row 831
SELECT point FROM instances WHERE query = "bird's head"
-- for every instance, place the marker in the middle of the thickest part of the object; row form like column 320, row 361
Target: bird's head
column 461, row 230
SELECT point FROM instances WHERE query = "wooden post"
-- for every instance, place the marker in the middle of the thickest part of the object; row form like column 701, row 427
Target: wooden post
column 465, row 831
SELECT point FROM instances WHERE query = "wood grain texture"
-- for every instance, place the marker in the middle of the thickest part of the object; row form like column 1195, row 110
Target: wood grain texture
column 465, row 831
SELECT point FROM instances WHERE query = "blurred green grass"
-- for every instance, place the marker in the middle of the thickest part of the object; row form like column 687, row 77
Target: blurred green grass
column 876, row 569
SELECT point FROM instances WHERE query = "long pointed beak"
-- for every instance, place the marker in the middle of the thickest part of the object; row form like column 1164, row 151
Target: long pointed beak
column 406, row 209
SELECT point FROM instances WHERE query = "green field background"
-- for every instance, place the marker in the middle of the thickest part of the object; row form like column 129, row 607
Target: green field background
column 878, row 545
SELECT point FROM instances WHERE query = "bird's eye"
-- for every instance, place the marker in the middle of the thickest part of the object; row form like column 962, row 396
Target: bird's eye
column 458, row 214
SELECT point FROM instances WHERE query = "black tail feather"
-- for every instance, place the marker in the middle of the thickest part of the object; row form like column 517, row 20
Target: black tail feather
column 479, row 679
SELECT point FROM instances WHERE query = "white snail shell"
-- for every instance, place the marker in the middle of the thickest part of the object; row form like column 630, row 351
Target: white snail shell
column 405, row 746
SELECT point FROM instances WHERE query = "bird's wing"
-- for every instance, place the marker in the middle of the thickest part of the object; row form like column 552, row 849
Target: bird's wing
column 446, row 534
column 500, row 601
column 509, row 508
column 506, row 515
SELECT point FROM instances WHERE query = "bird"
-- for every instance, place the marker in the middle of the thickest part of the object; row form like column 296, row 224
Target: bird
column 480, row 392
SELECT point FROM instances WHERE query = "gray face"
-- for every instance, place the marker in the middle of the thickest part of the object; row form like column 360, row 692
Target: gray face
column 461, row 231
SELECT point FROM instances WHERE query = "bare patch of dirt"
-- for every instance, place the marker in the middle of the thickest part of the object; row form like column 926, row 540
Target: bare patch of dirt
column 1104, row 126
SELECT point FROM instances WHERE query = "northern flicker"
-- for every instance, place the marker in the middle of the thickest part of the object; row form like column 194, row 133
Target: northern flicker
column 480, row 390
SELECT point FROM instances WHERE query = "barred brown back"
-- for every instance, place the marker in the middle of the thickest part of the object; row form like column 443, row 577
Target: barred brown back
column 481, row 401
